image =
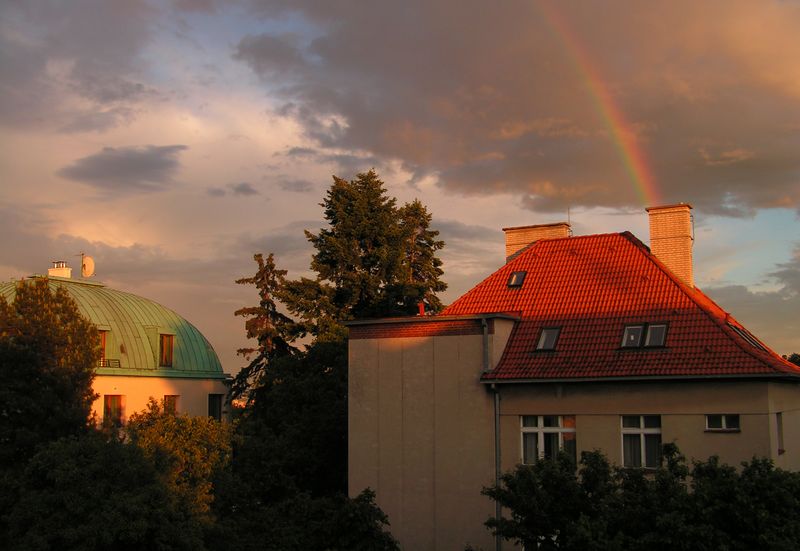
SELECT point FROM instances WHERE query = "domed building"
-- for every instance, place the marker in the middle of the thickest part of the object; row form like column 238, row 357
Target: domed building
column 147, row 351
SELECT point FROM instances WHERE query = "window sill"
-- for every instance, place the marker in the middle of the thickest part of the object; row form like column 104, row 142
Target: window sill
column 723, row 430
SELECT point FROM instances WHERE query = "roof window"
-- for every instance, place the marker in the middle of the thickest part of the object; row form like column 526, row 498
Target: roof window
column 548, row 338
column 643, row 334
column 516, row 279
column 745, row 334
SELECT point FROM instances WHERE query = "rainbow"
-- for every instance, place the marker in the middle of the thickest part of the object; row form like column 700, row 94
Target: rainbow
column 624, row 138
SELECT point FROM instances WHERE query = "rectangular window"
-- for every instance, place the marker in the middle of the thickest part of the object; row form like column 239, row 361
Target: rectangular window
column 779, row 426
column 722, row 422
column 544, row 435
column 165, row 350
column 113, row 410
column 548, row 338
column 171, row 403
column 644, row 334
column 632, row 338
column 641, row 441
column 103, row 341
column 215, row 406
column 516, row 279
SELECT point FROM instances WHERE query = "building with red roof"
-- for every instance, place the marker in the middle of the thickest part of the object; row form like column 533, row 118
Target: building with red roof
column 577, row 343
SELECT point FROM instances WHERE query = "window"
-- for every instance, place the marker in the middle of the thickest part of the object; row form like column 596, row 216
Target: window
column 166, row 345
column 643, row 334
column 516, row 279
column 113, row 410
column 171, row 403
column 103, row 341
column 548, row 338
column 779, row 426
column 720, row 422
column 544, row 435
column 215, row 406
column 641, row 441
column 746, row 335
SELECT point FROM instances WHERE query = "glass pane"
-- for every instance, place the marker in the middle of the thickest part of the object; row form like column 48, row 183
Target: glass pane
column 547, row 340
column 652, row 450
column 656, row 335
column 652, row 421
column 530, row 420
column 714, row 421
column 631, row 421
column 633, row 335
column 550, row 420
column 569, row 444
column 568, row 421
column 516, row 279
column 731, row 421
column 530, row 448
column 215, row 406
column 550, row 445
column 631, row 450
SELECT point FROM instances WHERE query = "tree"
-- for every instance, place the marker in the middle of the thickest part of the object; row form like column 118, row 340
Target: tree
column 265, row 323
column 710, row 506
column 188, row 452
column 48, row 354
column 794, row 358
column 90, row 493
column 374, row 259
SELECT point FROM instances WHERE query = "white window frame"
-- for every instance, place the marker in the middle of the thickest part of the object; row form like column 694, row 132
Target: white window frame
column 725, row 422
column 540, row 430
column 641, row 431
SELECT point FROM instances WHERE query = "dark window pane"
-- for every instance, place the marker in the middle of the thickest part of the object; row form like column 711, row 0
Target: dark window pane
column 530, row 448
column 516, row 279
column 652, row 450
column 731, row 421
column 215, row 406
column 656, row 335
column 529, row 420
column 550, row 445
column 550, row 420
column 633, row 336
column 631, row 450
column 171, row 404
column 652, row 421
column 548, row 338
column 714, row 421
column 569, row 445
column 112, row 409
column 631, row 421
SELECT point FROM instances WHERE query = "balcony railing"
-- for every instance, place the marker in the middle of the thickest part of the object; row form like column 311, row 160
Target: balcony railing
column 109, row 363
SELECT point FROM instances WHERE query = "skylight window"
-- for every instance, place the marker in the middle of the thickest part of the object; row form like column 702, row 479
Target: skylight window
column 516, row 279
column 548, row 338
column 745, row 334
column 650, row 335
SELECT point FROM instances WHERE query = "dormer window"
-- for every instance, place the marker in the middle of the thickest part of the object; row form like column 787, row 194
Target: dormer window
column 548, row 338
column 649, row 335
column 516, row 279
column 166, row 344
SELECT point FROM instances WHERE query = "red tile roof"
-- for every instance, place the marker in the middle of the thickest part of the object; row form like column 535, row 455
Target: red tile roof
column 592, row 287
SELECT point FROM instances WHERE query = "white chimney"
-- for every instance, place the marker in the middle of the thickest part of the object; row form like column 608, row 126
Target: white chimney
column 59, row 269
column 671, row 238
column 519, row 237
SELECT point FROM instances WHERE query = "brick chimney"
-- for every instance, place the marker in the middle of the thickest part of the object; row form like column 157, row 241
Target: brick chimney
column 672, row 237
column 521, row 236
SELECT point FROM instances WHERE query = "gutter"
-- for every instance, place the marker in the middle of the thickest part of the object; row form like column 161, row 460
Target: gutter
column 497, row 509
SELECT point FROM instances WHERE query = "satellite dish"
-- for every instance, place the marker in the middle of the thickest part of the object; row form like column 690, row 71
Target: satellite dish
column 87, row 266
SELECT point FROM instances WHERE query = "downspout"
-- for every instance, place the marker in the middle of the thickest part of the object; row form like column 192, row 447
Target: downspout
column 497, row 509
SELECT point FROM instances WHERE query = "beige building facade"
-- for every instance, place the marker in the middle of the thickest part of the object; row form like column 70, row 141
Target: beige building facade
column 577, row 344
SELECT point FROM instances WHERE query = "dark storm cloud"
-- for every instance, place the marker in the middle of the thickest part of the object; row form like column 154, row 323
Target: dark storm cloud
column 296, row 186
column 494, row 101
column 242, row 188
column 127, row 169
column 87, row 48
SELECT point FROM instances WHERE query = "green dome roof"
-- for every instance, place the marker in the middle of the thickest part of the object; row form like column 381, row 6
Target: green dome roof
column 134, row 326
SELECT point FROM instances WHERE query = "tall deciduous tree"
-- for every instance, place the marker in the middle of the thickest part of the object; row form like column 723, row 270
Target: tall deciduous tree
column 265, row 323
column 48, row 354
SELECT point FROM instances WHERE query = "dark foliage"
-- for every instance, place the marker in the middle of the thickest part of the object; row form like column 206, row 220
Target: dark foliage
column 710, row 506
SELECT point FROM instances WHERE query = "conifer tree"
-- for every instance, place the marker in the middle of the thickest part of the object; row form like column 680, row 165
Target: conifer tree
column 269, row 327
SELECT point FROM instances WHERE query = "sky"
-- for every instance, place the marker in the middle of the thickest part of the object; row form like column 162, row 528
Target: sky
column 173, row 140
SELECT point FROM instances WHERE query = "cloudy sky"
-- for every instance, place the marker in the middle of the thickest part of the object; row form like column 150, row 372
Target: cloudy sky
column 172, row 140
